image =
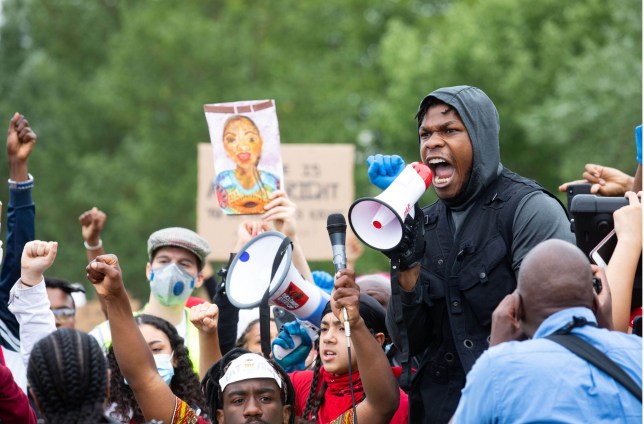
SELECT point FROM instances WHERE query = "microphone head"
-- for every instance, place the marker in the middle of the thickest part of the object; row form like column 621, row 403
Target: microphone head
column 335, row 223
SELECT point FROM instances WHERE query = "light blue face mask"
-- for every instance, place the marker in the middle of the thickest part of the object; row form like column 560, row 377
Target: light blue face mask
column 171, row 284
column 164, row 367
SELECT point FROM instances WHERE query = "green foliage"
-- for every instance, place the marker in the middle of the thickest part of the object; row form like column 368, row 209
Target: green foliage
column 115, row 90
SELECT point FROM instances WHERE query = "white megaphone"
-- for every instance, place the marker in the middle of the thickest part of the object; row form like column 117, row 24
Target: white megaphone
column 249, row 275
column 378, row 221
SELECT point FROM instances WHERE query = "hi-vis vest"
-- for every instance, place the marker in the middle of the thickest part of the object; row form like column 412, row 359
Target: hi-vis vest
column 103, row 335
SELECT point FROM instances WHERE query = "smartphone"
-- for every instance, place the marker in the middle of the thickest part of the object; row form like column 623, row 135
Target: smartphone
column 601, row 254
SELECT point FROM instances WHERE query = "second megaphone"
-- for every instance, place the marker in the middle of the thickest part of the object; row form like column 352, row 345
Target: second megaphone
column 250, row 273
column 378, row 221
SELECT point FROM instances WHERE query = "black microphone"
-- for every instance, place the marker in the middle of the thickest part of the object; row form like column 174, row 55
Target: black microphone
column 336, row 225
column 337, row 228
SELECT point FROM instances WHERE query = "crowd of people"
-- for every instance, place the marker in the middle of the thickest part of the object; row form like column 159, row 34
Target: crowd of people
column 486, row 314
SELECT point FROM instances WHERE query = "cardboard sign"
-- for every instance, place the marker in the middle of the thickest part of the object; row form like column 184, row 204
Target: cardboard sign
column 318, row 178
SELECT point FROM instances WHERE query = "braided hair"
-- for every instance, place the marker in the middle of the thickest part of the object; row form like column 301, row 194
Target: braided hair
column 316, row 392
column 67, row 373
column 214, row 395
column 373, row 315
column 184, row 383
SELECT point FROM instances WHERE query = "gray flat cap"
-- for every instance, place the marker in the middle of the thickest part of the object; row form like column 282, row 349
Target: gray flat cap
column 180, row 237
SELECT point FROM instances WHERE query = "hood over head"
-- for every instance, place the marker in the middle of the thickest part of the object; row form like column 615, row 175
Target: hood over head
column 481, row 119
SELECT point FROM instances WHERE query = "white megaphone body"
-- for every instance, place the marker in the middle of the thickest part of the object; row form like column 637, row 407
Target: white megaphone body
column 378, row 221
column 249, row 275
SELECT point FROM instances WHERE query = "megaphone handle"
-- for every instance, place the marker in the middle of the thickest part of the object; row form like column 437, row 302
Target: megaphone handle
column 280, row 353
column 264, row 310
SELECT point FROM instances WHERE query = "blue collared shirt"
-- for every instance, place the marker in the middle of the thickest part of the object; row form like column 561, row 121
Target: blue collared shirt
column 539, row 380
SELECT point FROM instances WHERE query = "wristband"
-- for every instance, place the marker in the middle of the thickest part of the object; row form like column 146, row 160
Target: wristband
column 25, row 284
column 98, row 246
column 21, row 185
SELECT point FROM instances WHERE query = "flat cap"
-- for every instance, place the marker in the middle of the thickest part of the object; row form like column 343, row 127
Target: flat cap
column 180, row 237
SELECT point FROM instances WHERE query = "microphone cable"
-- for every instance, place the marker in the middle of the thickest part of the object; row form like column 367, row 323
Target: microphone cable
column 336, row 226
column 347, row 331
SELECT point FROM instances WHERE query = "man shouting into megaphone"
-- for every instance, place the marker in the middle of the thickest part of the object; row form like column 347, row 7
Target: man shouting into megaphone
column 463, row 252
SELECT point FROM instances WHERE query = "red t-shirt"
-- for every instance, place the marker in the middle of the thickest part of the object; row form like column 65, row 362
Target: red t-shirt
column 337, row 397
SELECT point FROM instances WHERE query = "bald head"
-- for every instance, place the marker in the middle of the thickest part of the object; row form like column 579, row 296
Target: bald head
column 555, row 275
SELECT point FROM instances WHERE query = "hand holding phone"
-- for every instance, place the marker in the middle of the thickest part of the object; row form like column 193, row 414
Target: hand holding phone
column 602, row 253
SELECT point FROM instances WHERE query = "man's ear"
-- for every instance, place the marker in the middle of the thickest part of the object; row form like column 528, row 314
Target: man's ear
column 380, row 337
column 148, row 270
column 520, row 311
column 286, row 414
column 199, row 280
column 220, row 416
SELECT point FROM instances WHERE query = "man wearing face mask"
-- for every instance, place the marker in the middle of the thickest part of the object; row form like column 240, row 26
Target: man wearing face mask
column 177, row 257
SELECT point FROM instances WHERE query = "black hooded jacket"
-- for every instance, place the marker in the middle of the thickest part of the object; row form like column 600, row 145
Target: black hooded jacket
column 474, row 245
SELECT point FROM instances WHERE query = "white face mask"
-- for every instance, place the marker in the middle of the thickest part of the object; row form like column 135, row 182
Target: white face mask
column 171, row 285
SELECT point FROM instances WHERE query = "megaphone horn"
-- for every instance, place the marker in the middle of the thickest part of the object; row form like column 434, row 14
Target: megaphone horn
column 249, row 275
column 378, row 221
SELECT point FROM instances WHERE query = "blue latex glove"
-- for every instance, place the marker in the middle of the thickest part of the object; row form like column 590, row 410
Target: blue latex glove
column 383, row 169
column 638, row 143
column 294, row 360
column 323, row 280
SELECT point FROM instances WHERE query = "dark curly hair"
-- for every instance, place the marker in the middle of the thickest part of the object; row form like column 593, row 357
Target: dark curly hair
column 67, row 372
column 214, row 395
column 184, row 383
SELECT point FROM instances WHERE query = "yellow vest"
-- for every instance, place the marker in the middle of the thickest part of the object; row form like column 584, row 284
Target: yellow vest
column 103, row 335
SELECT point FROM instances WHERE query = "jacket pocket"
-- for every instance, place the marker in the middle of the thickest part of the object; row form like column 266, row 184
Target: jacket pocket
column 486, row 278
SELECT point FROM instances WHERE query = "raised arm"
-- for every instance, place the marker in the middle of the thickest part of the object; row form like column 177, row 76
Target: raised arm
column 205, row 318
column 281, row 211
column 21, row 213
column 622, row 266
column 382, row 395
column 135, row 359
column 28, row 301
column 92, row 222
column 605, row 180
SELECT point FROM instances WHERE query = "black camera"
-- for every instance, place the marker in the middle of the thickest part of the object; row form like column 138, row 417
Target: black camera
column 592, row 218
column 574, row 189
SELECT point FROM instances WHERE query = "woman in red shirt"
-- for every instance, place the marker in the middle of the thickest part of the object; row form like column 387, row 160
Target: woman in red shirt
column 324, row 394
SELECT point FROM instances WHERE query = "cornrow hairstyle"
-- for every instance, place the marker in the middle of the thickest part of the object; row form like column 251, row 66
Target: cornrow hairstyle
column 67, row 373
column 214, row 395
column 184, row 383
